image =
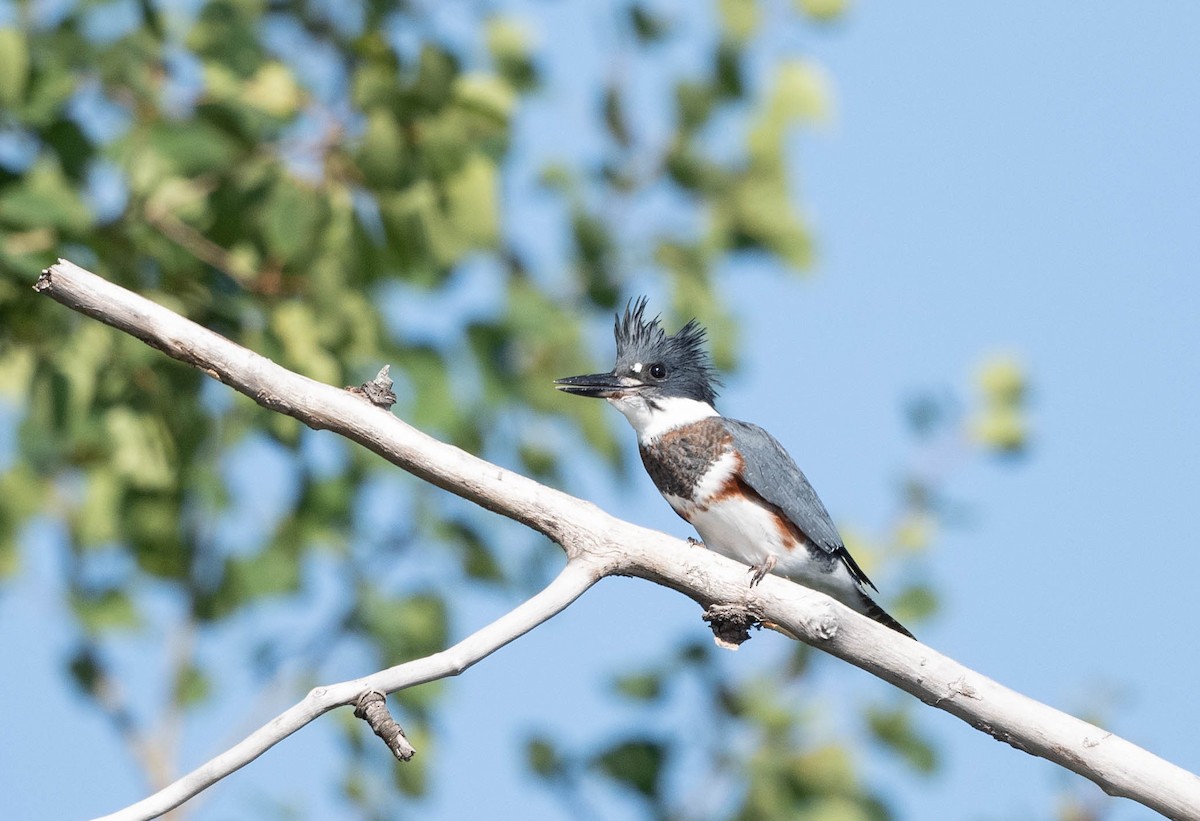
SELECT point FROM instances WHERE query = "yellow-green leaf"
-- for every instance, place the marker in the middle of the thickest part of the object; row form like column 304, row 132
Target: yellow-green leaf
column 739, row 18
column 487, row 94
column 273, row 89
column 1001, row 428
column 100, row 613
column 14, row 66
column 822, row 10
column 141, row 447
column 801, row 90
column 1002, row 379
column 45, row 197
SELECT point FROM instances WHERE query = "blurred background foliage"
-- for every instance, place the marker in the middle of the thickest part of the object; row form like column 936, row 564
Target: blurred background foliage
column 339, row 185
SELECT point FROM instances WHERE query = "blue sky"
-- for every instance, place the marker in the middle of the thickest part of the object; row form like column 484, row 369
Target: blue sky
column 1013, row 177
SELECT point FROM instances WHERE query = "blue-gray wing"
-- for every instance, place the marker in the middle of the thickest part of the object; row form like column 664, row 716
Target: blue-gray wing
column 772, row 473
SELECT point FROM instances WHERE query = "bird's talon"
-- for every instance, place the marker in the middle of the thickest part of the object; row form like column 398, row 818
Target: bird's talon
column 694, row 542
column 759, row 571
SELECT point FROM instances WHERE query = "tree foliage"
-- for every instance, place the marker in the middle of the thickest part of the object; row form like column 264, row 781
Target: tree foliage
column 334, row 185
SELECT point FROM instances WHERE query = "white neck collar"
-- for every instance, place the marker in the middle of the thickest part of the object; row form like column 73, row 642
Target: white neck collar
column 666, row 415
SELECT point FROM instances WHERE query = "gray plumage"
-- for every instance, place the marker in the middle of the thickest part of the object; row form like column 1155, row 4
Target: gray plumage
column 772, row 473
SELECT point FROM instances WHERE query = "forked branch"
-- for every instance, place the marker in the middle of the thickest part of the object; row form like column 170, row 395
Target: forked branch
column 575, row 578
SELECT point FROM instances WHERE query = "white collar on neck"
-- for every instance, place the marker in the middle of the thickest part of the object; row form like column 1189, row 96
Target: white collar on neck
column 667, row 414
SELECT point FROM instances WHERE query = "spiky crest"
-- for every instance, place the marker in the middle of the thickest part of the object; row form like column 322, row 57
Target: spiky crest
column 640, row 340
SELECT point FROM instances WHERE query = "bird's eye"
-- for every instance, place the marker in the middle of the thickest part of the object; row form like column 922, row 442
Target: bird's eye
column 658, row 370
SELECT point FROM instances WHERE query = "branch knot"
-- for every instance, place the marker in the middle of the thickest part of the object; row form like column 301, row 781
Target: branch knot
column 378, row 391
column 731, row 623
column 372, row 708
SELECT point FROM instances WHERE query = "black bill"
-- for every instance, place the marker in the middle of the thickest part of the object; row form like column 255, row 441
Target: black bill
column 599, row 385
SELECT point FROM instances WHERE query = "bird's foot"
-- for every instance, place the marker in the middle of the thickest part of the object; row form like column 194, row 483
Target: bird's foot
column 759, row 571
column 694, row 542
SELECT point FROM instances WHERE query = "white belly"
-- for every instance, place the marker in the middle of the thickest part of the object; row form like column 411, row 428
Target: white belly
column 747, row 532
column 740, row 530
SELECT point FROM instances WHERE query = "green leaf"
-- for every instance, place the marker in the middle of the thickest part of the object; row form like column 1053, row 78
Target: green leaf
column 539, row 462
column 273, row 89
column 739, row 18
column 45, row 197
column 696, row 172
column 192, row 686
column 375, row 81
column 841, row 808
column 85, row 670
column 273, row 571
column 695, row 653
column 894, row 728
column 413, row 226
column 142, row 450
column 16, row 372
column 640, row 686
column 636, row 764
column 1002, row 380
column 47, row 95
column 104, row 612
column 10, row 558
column 827, row 769
column 473, row 212
column 556, row 177
column 14, row 66
column 694, row 103
column 291, row 219
column 614, row 115
column 801, row 91
column 648, row 27
column 72, row 148
column 432, row 404
column 97, row 520
column 435, row 80
column 486, row 94
column 23, row 492
column 761, row 215
column 543, row 758
column 822, row 11
column 729, row 83
column 294, row 323
column 477, row 559
column 192, row 148
column 510, row 45
column 152, row 527
column 1002, row 429
column 404, row 628
column 915, row 603
column 915, row 531
column 384, row 152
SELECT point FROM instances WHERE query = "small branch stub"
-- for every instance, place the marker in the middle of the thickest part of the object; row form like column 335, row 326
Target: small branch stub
column 372, row 708
column 730, row 624
column 379, row 390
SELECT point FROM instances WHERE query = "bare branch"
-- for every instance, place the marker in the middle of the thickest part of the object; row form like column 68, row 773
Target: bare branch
column 596, row 545
column 574, row 579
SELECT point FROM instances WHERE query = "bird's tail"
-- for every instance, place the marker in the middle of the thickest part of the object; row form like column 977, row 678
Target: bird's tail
column 874, row 611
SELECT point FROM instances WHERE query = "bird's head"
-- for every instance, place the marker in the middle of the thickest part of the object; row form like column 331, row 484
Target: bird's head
column 655, row 374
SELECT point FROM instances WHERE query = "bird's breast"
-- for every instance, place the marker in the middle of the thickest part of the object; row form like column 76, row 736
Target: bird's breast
column 691, row 462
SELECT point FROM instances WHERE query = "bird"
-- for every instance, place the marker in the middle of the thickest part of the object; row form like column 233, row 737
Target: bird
column 731, row 480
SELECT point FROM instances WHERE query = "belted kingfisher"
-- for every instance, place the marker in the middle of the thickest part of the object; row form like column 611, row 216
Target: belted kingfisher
column 731, row 480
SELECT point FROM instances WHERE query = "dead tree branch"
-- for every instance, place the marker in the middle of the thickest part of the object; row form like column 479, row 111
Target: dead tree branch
column 575, row 578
